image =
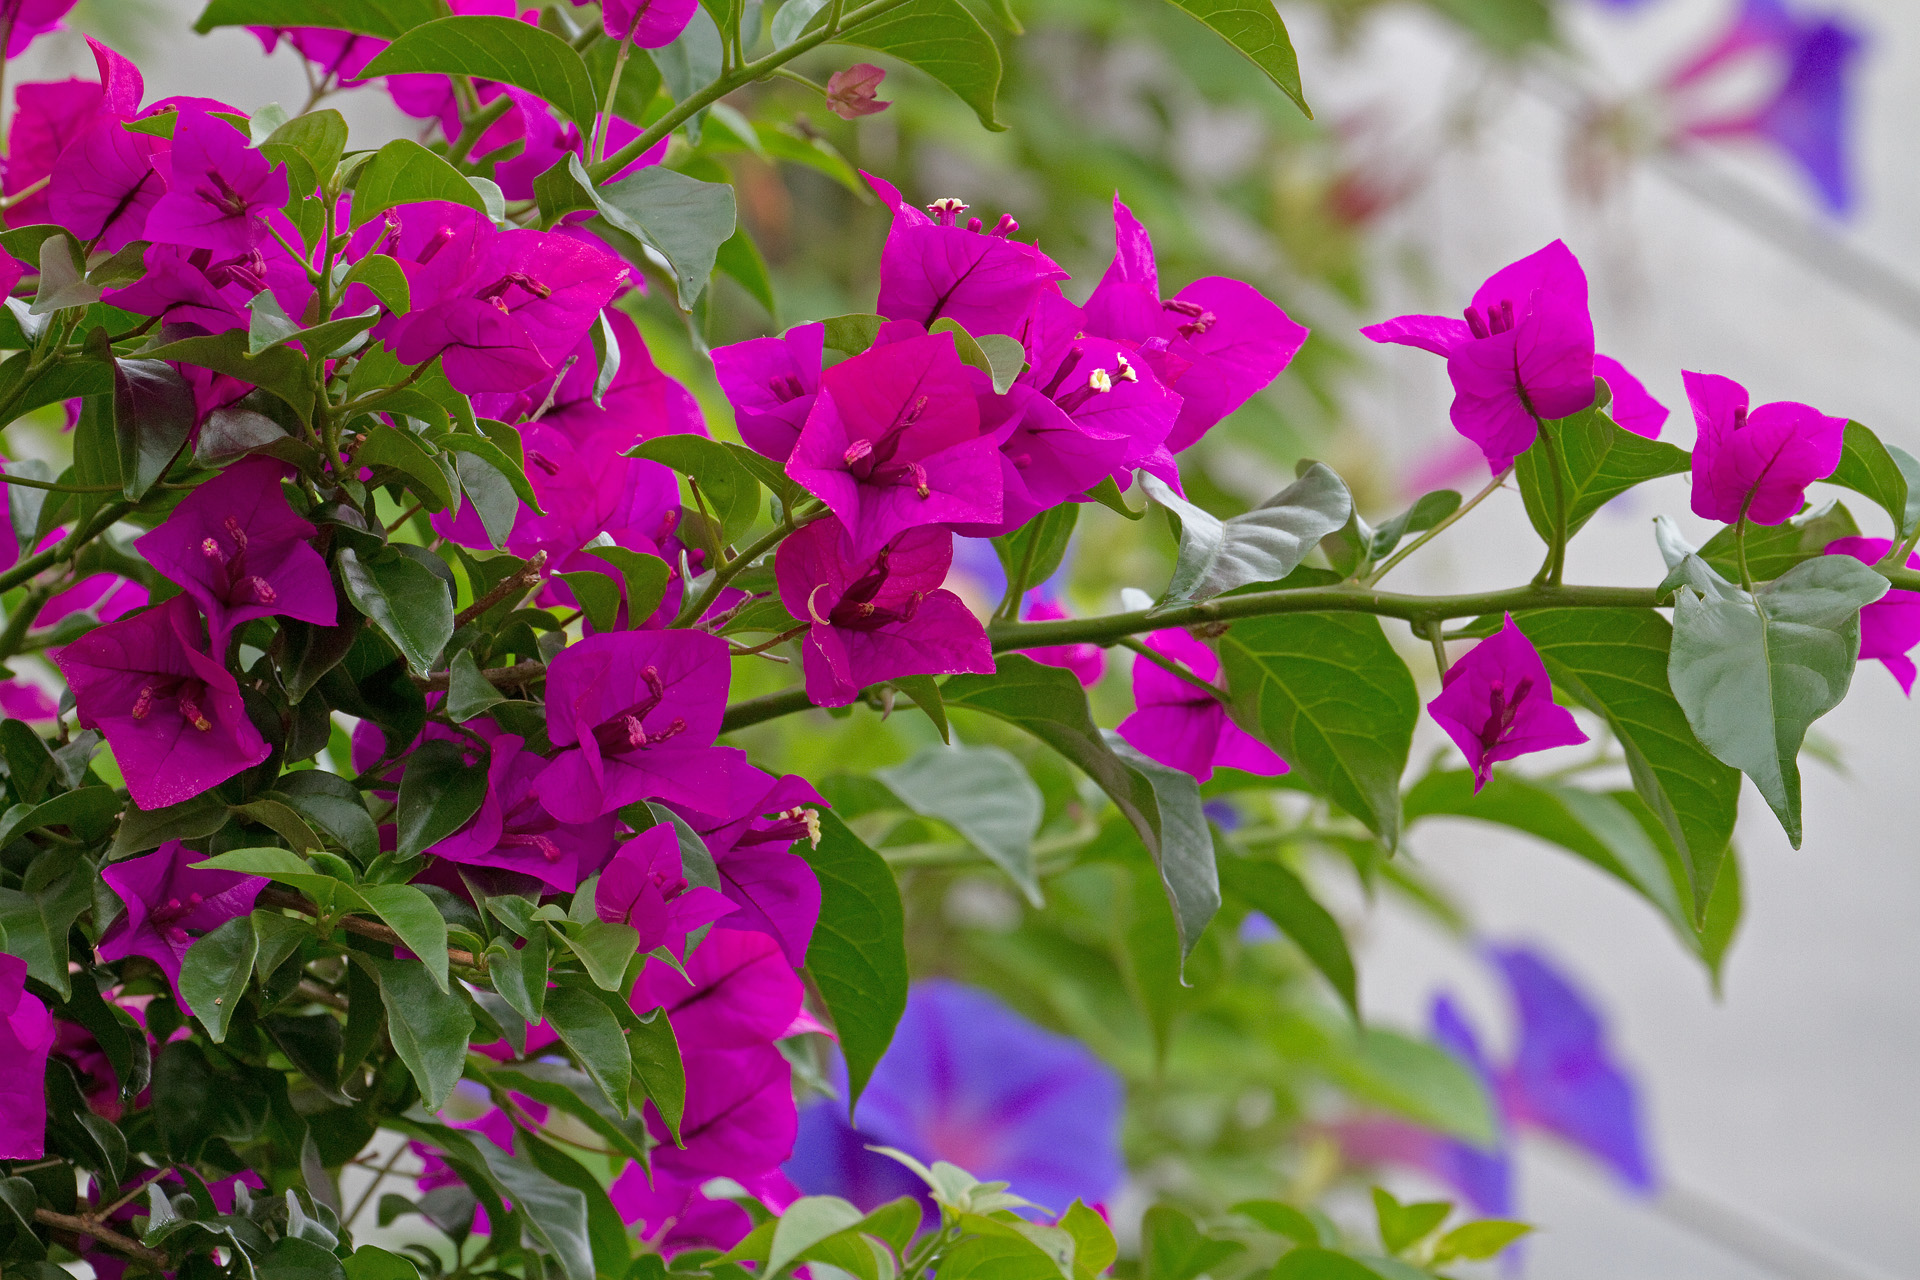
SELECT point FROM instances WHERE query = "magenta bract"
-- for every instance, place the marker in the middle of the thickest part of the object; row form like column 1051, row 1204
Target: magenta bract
column 1757, row 464
column 1497, row 704
column 169, row 905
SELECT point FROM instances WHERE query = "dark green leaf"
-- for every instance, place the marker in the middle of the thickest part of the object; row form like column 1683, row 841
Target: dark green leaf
column 740, row 258
column 429, row 1027
column 1315, row 1263
column 143, row 829
column 495, row 48
column 185, row 1097
column 152, row 415
column 399, row 450
column 575, row 1093
column 985, row 795
column 1430, row 509
column 468, row 692
column 858, row 958
column 1283, row 898
column 556, row 1214
column 282, row 820
column 1754, row 672
column 1869, row 470
column 604, row 948
column 439, row 792
column 1598, row 459
column 1263, row 545
column 214, row 974
column 278, row 369
column 411, row 914
column 1330, row 694
column 404, row 172
column 611, row 1246
column 36, row 918
column 383, row 18
column 945, row 40
column 383, row 275
column 62, row 282
column 592, row 1033
column 1034, row 551
column 1254, row 28
column 333, row 805
column 731, row 494
column 657, row 1069
column 403, row 598
column 926, row 695
column 371, row 1262
column 685, row 219
column 1184, row 856
column 1774, row 549
column 88, row 812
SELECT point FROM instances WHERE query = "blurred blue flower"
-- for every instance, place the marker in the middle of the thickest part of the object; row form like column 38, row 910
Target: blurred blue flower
column 969, row 1081
column 1807, row 112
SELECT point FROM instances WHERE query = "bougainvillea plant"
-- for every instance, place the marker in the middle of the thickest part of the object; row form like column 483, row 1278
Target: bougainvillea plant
column 394, row 798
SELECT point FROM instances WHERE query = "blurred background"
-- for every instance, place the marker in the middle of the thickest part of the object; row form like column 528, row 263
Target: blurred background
column 1757, row 221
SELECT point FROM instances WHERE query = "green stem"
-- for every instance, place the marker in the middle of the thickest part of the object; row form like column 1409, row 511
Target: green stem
column 21, row 621
column 1557, row 550
column 1168, row 665
column 1433, row 630
column 1492, row 487
column 475, row 125
column 784, row 74
column 1009, row 609
column 759, row 69
column 51, row 487
column 725, row 573
column 67, row 547
column 613, row 90
column 1740, row 550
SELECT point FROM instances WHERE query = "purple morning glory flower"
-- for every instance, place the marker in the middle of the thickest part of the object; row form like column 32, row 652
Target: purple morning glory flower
column 170, row 904
column 1633, row 406
column 1757, row 464
column 1216, row 343
column 634, row 714
column 932, row 268
column 739, row 991
column 1563, row 1079
column 514, row 832
column 1497, row 703
column 1890, row 626
column 773, row 889
column 739, row 1116
column 172, row 714
column 969, row 1081
column 26, row 1038
column 894, row 441
column 1523, row 353
column 1181, row 725
column 1808, row 109
column 878, row 616
column 771, row 383
column 237, row 547
column 644, row 887
column 219, row 190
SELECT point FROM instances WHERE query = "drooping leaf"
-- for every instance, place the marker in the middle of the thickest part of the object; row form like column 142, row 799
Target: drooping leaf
column 1330, row 694
column 429, row 1027
column 1283, row 898
column 152, row 416
column 657, row 1068
column 685, row 219
column 858, row 957
column 945, row 40
column 1598, row 461
column 589, row 1029
column 214, row 974
column 1754, row 672
column 404, row 172
column 1184, row 858
column 36, row 918
column 1262, row 545
column 985, row 795
column 1254, row 28
column 402, row 597
column 576, row 1093
column 554, row 1213
column 496, row 48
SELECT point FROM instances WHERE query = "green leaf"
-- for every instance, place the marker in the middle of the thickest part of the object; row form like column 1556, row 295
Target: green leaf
column 1404, row 1224
column 284, row 867
column 333, row 805
column 1263, row 545
column 468, row 692
column 943, row 39
column 429, row 1027
column 1598, row 459
column 404, row 172
column 1172, row 1248
column 1478, row 1240
column 152, row 416
column 1254, row 28
column 1315, row 1263
column 1415, row 1078
column 554, row 1213
column 387, row 446
column 1034, row 551
column 983, row 793
column 411, row 914
column 607, row 1236
column 310, row 146
column 495, row 48
column 405, row 599
column 740, row 258
column 684, row 219
column 1867, row 468
column 87, row 812
column 1754, row 672
column 1281, row 1219
column 693, row 61
column 1910, row 472
column 143, row 829
column 804, row 1224
column 592, row 1033
column 279, row 370
column 1183, row 854
column 730, row 492
column 439, row 792
column 1094, row 1248
column 598, row 594
column 1427, row 511
column 851, row 334
column 644, row 576
column 1283, row 898
column 383, row 18
column 858, row 957
column 575, row 1093
column 282, row 820
column 383, row 275
column 926, row 695
column 605, row 948
column 1330, row 694
column 371, row 1262
column 62, row 283
column 657, row 1069
column 36, row 918
column 1615, row 661
column 1774, row 549
column 793, row 19
column 214, row 974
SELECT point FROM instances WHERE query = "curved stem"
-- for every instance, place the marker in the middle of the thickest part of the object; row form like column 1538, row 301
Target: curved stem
column 1557, row 549
column 1460, row 511
column 475, row 125
column 1433, row 630
column 725, row 573
column 1168, row 665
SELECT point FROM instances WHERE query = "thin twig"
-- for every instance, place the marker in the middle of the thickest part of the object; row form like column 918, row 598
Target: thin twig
column 520, row 673
column 379, row 1176
column 104, row 1234
column 1169, row 665
column 521, row 582
column 291, row 901
column 1437, row 529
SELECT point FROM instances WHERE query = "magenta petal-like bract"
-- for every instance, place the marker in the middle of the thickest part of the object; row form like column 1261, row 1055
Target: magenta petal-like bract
column 1088, row 662
column 651, row 24
column 1757, row 464
column 739, row 1114
column 169, row 905
column 1180, row 724
column 645, row 887
column 932, row 269
column 739, row 991
column 26, row 1038
column 219, row 190
column 1890, row 626
column 105, row 185
column 771, row 383
column 514, row 831
column 1524, row 352
column 635, row 714
column 237, row 547
column 1497, row 704
column 1633, row 405
column 773, row 889
column 874, row 618
column 172, row 714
